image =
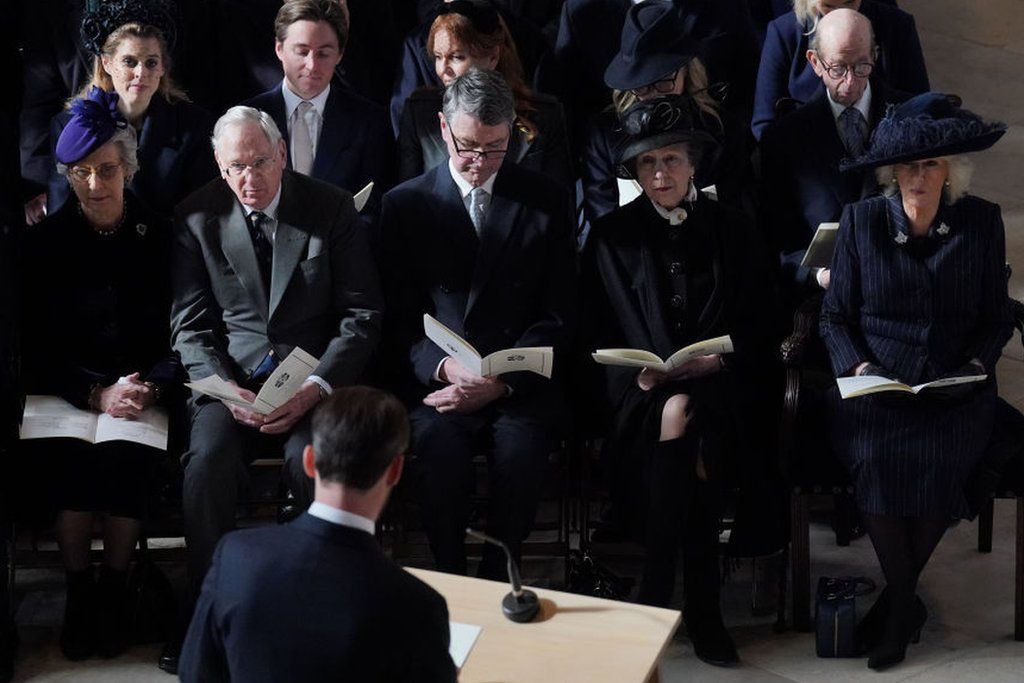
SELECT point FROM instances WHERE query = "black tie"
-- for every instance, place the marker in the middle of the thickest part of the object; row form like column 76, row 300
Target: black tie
column 853, row 129
column 261, row 244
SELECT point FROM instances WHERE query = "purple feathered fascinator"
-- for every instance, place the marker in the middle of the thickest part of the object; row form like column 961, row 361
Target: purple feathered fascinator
column 94, row 120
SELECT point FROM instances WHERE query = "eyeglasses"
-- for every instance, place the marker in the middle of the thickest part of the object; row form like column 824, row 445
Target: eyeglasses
column 237, row 170
column 838, row 71
column 104, row 172
column 480, row 153
column 662, row 86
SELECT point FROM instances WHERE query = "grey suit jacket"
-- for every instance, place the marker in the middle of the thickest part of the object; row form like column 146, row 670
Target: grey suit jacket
column 324, row 293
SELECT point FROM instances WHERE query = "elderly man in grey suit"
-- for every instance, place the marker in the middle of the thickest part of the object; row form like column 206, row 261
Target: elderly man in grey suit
column 264, row 260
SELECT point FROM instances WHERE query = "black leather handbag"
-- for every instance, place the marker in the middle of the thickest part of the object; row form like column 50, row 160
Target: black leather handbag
column 835, row 614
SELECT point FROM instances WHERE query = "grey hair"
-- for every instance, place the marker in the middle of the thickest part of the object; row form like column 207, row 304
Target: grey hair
column 958, row 182
column 127, row 148
column 481, row 93
column 241, row 114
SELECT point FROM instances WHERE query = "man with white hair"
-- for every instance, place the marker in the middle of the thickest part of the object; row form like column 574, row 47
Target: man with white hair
column 800, row 153
column 264, row 260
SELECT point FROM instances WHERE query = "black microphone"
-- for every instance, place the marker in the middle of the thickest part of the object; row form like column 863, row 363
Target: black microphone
column 521, row 606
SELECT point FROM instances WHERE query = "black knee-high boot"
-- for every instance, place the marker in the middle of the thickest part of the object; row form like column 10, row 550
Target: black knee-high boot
column 671, row 477
column 702, row 613
column 78, row 635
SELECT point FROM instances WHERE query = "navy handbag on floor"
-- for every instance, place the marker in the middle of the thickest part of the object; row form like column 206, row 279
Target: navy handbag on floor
column 835, row 614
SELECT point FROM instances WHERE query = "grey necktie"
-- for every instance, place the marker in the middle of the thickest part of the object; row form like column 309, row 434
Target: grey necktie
column 854, row 131
column 478, row 201
column 302, row 140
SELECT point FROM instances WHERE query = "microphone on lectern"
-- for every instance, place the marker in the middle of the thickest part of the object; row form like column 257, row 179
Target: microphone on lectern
column 521, row 605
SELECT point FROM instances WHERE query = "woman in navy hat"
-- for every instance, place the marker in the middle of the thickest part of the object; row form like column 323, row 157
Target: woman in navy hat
column 131, row 41
column 657, row 57
column 471, row 33
column 918, row 293
column 675, row 268
column 96, row 334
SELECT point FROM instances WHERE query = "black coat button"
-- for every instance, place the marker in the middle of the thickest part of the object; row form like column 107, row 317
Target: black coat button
column 677, row 301
column 675, row 267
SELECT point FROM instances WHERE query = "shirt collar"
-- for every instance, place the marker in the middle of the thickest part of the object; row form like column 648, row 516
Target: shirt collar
column 464, row 187
column 679, row 214
column 271, row 209
column 291, row 100
column 863, row 105
column 341, row 517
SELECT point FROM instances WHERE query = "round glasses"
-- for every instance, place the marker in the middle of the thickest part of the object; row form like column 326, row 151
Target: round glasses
column 82, row 173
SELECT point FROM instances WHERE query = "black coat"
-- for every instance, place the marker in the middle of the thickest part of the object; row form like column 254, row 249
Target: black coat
column 801, row 182
column 785, row 71
column 420, row 145
column 514, row 287
column 314, row 601
column 174, row 155
column 920, row 310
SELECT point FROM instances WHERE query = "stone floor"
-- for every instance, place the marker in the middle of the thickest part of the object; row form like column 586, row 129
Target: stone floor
column 975, row 49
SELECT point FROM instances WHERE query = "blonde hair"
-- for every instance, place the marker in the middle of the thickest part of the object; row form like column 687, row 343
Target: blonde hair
column 806, row 11
column 958, row 178
column 696, row 87
column 101, row 79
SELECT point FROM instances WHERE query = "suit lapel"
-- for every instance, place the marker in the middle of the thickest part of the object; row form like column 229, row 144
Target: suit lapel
column 238, row 250
column 451, row 212
column 276, row 110
column 157, row 132
column 331, row 142
column 828, row 147
column 650, row 289
column 289, row 242
column 502, row 217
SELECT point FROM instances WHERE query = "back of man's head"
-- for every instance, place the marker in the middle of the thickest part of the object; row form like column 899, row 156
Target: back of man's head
column 357, row 433
column 481, row 93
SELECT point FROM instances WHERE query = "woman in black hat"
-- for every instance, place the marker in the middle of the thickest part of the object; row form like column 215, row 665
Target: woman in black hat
column 471, row 33
column 918, row 293
column 678, row 268
column 131, row 41
column 96, row 306
column 657, row 57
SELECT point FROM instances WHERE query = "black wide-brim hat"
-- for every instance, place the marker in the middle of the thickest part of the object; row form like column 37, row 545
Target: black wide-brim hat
column 656, row 41
column 924, row 127
column 657, row 123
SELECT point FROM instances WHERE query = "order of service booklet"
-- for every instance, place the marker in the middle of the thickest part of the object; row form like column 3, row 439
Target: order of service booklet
column 638, row 358
column 538, row 359
column 282, row 384
column 49, row 417
column 823, row 245
column 862, row 385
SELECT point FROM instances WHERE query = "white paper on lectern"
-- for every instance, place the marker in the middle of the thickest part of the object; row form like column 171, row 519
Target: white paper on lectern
column 359, row 199
column 48, row 417
column 282, row 384
column 463, row 637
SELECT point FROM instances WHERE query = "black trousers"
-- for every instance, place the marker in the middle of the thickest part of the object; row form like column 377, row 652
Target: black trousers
column 444, row 446
column 219, row 452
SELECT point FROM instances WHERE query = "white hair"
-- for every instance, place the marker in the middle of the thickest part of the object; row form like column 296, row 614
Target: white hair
column 241, row 114
column 958, row 180
column 127, row 148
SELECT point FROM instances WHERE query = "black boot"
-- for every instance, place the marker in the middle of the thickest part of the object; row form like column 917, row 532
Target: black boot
column 114, row 612
column 702, row 613
column 671, row 477
column 78, row 635
column 905, row 617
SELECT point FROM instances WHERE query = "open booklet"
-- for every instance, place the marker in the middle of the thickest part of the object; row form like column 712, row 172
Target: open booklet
column 851, row 387
column 638, row 358
column 538, row 359
column 282, row 384
column 359, row 198
column 823, row 245
column 49, row 417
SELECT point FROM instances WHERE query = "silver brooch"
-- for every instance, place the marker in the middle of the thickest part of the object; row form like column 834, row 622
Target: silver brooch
column 677, row 216
column 901, row 238
column 943, row 229
column 141, row 229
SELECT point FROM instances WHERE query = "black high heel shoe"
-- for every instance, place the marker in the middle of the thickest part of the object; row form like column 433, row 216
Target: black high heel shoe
column 902, row 626
column 870, row 629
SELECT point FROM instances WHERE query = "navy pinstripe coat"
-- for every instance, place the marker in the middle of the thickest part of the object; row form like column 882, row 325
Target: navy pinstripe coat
column 921, row 308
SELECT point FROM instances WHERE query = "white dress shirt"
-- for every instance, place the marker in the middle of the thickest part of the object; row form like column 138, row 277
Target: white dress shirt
column 341, row 517
column 863, row 105
column 314, row 117
column 465, row 188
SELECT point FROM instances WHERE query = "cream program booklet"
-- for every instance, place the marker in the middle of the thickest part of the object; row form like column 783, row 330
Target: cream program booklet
column 282, row 384
column 862, row 385
column 637, row 358
column 48, row 417
column 538, row 359
column 359, row 199
column 823, row 245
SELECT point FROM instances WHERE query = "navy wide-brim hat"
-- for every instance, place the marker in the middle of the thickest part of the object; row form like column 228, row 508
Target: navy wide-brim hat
column 924, row 127
column 657, row 123
column 94, row 120
column 108, row 16
column 656, row 41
